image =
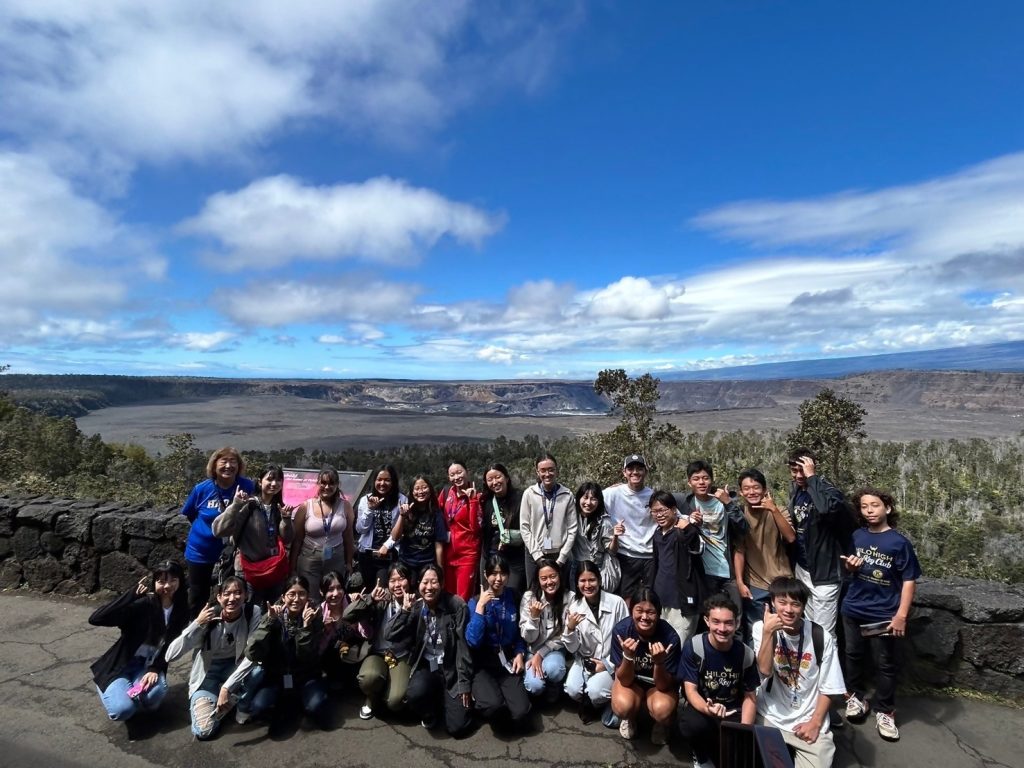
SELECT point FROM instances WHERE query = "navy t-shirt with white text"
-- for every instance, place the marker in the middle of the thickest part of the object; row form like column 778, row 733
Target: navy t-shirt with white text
column 889, row 561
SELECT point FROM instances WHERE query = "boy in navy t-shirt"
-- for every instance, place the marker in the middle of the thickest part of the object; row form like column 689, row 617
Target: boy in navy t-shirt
column 719, row 680
column 885, row 572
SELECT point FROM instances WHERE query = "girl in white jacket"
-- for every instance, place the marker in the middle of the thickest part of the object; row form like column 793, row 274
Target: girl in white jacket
column 217, row 637
column 589, row 621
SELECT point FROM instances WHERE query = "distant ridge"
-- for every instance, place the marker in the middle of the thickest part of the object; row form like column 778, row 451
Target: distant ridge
column 1004, row 357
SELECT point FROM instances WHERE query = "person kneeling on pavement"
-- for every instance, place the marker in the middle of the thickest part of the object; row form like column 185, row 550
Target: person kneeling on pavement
column 220, row 675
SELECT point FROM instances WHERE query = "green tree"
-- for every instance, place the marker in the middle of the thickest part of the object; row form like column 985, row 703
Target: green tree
column 634, row 401
column 828, row 424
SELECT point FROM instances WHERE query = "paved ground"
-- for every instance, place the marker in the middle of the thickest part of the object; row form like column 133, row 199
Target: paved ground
column 50, row 716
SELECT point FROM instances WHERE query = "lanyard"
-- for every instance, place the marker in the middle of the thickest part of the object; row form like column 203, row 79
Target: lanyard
column 497, row 517
column 549, row 512
column 433, row 628
column 328, row 520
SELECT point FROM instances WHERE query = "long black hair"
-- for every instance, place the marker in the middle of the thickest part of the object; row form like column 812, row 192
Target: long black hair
column 276, row 472
column 179, row 605
column 590, row 521
column 391, row 500
column 558, row 603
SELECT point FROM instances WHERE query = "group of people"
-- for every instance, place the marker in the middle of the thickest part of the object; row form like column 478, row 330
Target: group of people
column 450, row 602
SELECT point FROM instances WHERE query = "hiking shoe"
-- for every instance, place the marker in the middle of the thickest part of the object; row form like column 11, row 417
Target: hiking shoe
column 856, row 709
column 627, row 730
column 366, row 712
column 887, row 726
column 659, row 735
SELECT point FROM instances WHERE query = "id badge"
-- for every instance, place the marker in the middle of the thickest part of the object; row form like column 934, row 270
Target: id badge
column 794, row 700
column 288, row 684
column 328, row 551
column 547, row 544
column 433, row 665
column 504, row 660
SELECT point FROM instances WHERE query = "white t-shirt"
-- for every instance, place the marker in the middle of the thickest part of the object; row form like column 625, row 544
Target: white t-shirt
column 631, row 509
column 786, row 706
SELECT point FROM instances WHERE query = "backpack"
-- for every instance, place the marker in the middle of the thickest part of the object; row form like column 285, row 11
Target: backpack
column 817, row 642
column 697, row 645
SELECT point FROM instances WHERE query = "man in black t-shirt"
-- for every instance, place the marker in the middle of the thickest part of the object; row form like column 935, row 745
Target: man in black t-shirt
column 719, row 680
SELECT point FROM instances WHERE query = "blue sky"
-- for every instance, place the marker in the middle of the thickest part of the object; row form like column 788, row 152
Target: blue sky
column 502, row 190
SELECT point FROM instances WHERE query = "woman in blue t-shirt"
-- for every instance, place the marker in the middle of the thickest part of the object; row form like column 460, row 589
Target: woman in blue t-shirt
column 645, row 653
column 224, row 484
column 875, row 610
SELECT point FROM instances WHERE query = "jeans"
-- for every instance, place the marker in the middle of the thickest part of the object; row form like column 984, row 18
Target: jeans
column 119, row 705
column 312, row 695
column 553, row 673
column 209, row 690
column 753, row 611
column 597, row 687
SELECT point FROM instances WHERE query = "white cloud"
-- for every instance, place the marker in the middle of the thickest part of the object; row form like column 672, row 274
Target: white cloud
column 269, row 305
column 127, row 81
column 69, row 264
column 634, row 298
column 277, row 220
column 976, row 210
column 493, row 354
column 201, row 342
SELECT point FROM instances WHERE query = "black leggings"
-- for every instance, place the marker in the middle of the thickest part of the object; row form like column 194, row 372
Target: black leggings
column 200, row 579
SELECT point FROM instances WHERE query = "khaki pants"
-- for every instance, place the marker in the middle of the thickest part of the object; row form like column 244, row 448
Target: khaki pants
column 379, row 683
column 816, row 755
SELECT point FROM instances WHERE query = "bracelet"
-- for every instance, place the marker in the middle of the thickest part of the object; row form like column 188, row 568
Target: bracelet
column 628, row 658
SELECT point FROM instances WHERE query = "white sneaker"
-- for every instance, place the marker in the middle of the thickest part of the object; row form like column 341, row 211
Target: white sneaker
column 366, row 712
column 659, row 735
column 856, row 709
column 886, row 725
column 242, row 717
column 627, row 730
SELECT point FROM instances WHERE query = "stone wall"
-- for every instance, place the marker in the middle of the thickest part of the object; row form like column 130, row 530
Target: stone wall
column 81, row 547
column 963, row 632
column 969, row 634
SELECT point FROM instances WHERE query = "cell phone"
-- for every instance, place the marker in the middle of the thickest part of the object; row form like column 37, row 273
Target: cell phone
column 875, row 629
column 135, row 691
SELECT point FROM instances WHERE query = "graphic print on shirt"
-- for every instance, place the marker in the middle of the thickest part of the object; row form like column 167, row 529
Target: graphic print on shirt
column 791, row 664
column 878, row 566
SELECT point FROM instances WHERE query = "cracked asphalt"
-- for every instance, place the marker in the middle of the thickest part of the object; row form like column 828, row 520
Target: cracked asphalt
column 50, row 715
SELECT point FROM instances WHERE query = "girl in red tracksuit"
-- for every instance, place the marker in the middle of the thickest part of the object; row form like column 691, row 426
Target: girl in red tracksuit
column 460, row 504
